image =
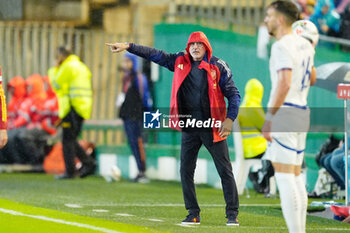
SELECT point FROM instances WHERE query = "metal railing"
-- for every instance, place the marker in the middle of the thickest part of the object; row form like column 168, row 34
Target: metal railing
column 335, row 40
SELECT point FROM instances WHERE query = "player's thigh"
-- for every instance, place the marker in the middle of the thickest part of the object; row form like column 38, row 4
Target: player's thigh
column 283, row 152
column 301, row 146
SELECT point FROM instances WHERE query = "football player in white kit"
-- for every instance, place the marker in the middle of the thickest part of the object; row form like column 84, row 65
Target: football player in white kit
column 287, row 120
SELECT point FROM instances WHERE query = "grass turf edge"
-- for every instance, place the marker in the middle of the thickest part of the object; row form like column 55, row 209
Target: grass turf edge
column 97, row 222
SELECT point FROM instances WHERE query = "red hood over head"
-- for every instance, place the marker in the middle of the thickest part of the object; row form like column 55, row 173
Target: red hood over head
column 200, row 37
column 19, row 85
column 37, row 86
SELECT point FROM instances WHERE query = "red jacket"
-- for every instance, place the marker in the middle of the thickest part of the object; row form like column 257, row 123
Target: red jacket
column 220, row 82
column 182, row 69
column 3, row 109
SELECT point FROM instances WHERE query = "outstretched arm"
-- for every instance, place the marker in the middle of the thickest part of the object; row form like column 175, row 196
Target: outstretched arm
column 160, row 57
column 118, row 47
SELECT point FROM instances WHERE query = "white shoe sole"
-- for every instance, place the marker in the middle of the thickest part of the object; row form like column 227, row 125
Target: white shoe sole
column 232, row 224
column 190, row 223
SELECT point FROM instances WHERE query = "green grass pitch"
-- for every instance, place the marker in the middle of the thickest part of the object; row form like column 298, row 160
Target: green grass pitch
column 38, row 203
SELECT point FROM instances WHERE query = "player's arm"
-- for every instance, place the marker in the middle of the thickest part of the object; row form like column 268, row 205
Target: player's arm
column 313, row 76
column 160, row 57
column 283, row 86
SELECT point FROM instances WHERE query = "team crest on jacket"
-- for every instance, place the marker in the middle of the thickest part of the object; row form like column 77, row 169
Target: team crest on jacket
column 213, row 75
column 181, row 66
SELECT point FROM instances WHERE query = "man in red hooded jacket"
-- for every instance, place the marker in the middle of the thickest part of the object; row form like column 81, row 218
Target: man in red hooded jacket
column 201, row 81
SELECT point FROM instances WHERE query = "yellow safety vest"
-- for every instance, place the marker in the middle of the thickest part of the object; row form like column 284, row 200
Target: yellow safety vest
column 71, row 82
column 251, row 119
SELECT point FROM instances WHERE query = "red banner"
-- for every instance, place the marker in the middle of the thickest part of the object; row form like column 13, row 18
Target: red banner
column 343, row 91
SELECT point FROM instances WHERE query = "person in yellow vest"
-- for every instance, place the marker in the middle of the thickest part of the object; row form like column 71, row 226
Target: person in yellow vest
column 251, row 119
column 71, row 81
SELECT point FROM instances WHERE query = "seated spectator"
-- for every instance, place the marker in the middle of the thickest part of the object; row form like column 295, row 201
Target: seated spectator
column 44, row 125
column 328, row 146
column 16, row 88
column 251, row 119
column 326, row 177
column 44, row 116
column 333, row 163
column 27, row 113
column 326, row 19
column 28, row 141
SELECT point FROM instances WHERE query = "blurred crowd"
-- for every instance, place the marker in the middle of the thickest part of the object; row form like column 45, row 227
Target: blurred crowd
column 332, row 17
column 32, row 119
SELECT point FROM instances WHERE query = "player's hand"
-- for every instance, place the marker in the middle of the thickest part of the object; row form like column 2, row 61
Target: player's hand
column 3, row 138
column 266, row 131
column 117, row 47
column 226, row 128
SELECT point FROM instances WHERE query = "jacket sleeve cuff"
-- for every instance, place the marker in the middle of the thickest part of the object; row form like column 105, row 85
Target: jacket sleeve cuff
column 232, row 117
column 131, row 47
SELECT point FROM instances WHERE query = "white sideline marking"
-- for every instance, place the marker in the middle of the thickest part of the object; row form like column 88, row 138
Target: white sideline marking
column 73, row 205
column 124, row 214
column 101, row 229
column 100, row 211
column 276, row 228
column 184, row 225
column 44, row 218
column 175, row 205
column 155, row 220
